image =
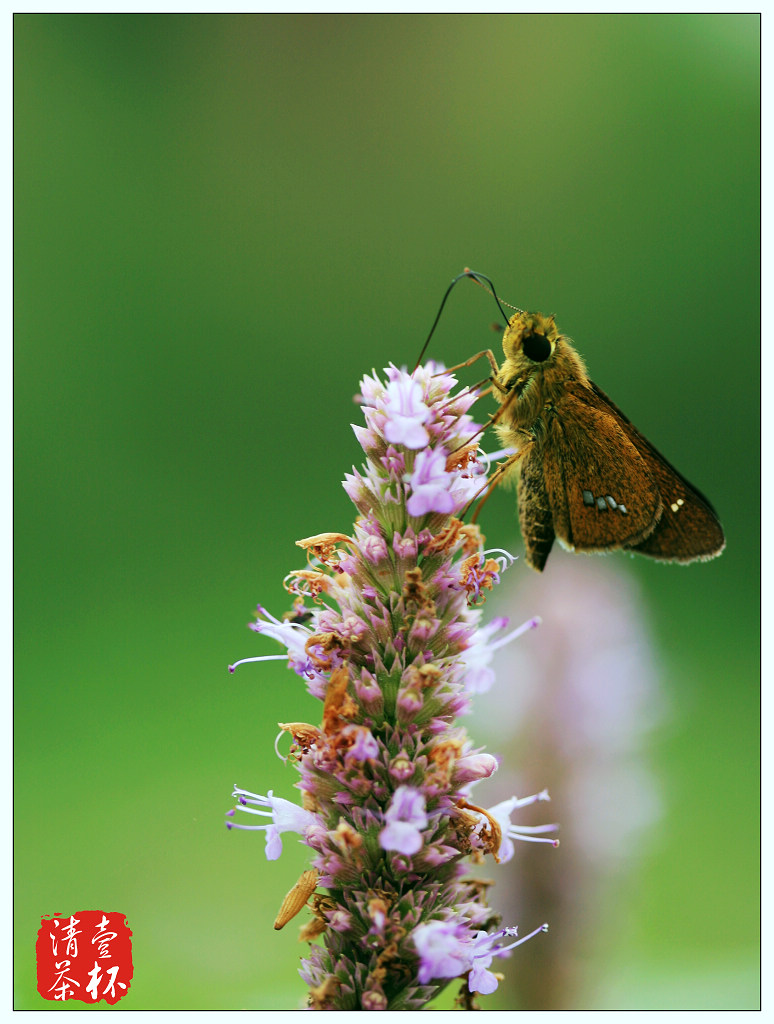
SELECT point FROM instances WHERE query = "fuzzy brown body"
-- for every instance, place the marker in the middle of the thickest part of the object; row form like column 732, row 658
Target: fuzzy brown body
column 584, row 473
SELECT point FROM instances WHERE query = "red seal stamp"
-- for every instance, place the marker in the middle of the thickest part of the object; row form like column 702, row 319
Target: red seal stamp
column 86, row 956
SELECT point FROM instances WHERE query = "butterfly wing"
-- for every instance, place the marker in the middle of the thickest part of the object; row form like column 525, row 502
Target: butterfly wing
column 689, row 528
column 602, row 492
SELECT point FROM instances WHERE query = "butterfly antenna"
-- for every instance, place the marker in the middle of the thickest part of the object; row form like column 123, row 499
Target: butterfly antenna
column 479, row 279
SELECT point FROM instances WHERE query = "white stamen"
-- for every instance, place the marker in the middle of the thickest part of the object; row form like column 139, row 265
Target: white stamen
column 503, row 558
column 518, row 942
column 263, row 657
column 252, row 798
column 513, row 834
column 276, row 747
column 526, row 800
column 523, row 628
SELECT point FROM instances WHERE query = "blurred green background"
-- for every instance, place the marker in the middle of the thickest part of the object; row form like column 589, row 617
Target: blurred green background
column 221, row 223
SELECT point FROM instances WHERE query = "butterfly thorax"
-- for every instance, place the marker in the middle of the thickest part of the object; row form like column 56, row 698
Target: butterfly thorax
column 539, row 363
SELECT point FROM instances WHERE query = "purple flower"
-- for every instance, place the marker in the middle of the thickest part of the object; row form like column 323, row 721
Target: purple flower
column 406, row 413
column 394, row 462
column 445, row 949
column 527, row 833
column 405, row 818
column 286, row 817
column 401, row 767
column 405, row 546
column 481, row 979
column 340, row 921
column 430, row 484
column 355, row 488
column 369, row 692
column 485, row 948
column 364, row 746
column 371, row 390
column 449, row 948
column 409, row 704
column 474, row 767
column 477, row 657
column 292, row 635
column 373, row 548
column 373, row 999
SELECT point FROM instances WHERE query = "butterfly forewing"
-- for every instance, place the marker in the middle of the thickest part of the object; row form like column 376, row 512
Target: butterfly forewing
column 602, row 492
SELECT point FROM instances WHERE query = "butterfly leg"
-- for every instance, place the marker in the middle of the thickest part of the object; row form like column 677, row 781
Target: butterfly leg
column 495, row 417
column 507, row 402
column 469, row 362
column 475, row 387
column 493, row 481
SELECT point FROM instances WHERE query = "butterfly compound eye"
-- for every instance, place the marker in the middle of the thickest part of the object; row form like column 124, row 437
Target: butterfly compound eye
column 536, row 347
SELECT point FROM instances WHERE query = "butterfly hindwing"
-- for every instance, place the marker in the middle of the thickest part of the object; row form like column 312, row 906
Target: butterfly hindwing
column 688, row 528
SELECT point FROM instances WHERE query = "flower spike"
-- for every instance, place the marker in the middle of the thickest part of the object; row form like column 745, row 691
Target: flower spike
column 385, row 630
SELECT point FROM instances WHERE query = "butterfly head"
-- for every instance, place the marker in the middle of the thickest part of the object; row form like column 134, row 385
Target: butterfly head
column 530, row 339
column 538, row 362
column 534, row 349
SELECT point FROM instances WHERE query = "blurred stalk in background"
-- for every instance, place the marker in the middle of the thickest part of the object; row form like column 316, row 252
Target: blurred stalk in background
column 583, row 702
